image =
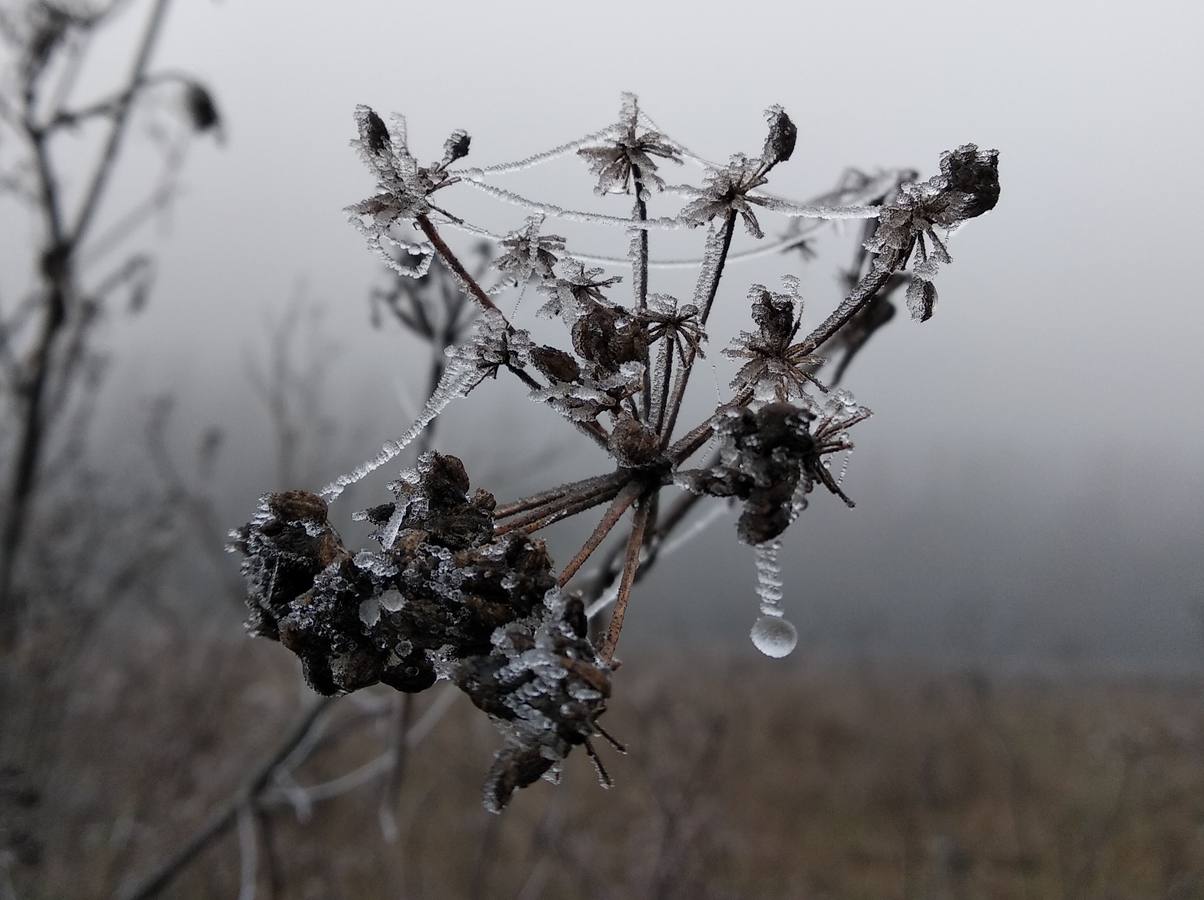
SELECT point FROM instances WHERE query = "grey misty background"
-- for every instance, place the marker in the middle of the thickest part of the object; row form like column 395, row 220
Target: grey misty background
column 1030, row 491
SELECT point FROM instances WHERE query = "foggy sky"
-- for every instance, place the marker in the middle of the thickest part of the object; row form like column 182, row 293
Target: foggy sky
column 1030, row 486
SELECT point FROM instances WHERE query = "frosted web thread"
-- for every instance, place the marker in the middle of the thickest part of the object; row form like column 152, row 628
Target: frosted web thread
column 778, row 246
column 675, row 223
column 457, row 378
column 535, row 159
column 811, row 211
column 874, row 188
column 681, row 148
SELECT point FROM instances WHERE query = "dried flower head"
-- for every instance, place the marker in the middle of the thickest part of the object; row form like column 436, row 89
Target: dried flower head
column 967, row 187
column 528, row 253
column 459, row 588
column 403, row 187
column 573, row 288
column 773, row 369
column 629, row 156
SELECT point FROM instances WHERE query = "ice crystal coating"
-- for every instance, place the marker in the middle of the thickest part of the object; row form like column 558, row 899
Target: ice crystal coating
column 591, row 395
column 443, row 597
column 574, row 289
column 492, row 345
column 527, row 253
column 544, row 687
column 628, row 154
column 772, row 457
column 773, row 369
column 967, row 187
column 727, row 189
column 403, row 187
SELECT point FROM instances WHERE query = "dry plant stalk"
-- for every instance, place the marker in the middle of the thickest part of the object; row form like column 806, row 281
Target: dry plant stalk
column 48, row 364
column 459, row 588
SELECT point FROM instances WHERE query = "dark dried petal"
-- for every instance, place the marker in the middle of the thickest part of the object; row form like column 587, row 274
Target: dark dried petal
column 515, row 766
column 287, row 545
column 456, row 146
column 775, row 316
column 921, row 299
column 765, row 457
column 555, row 365
column 633, row 443
column 608, row 337
column 373, row 131
column 544, row 684
column 442, row 588
column 779, row 146
column 201, row 108
column 972, row 183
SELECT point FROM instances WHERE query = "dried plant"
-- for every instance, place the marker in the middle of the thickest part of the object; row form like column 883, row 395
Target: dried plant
column 49, row 366
column 460, row 588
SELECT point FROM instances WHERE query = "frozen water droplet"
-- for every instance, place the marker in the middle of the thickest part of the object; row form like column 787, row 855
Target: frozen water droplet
column 370, row 611
column 774, row 636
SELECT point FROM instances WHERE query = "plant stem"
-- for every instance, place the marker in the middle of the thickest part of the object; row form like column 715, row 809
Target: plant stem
column 689, row 443
column 121, row 117
column 453, row 262
column 631, row 564
column 571, row 510
column 58, row 269
column 710, row 288
column 665, row 378
column 640, row 273
column 863, row 292
column 399, row 728
column 220, row 822
column 560, row 508
column 614, row 512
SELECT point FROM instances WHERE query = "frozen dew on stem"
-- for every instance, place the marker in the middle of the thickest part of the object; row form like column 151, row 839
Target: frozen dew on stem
column 771, row 633
column 490, row 347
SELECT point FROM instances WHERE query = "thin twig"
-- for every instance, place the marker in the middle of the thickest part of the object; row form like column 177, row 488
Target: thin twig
column 399, row 728
column 557, row 510
column 631, row 564
column 248, row 850
column 457, row 267
column 709, row 289
column 615, row 512
column 121, row 115
column 542, row 498
column 866, row 289
column 227, row 814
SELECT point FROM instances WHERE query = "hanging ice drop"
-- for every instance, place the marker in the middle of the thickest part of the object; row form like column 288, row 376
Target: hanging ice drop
column 774, row 636
column 771, row 634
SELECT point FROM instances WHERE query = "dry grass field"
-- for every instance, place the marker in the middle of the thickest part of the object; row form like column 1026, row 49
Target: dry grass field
column 744, row 779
